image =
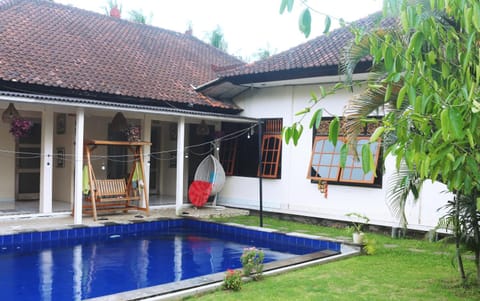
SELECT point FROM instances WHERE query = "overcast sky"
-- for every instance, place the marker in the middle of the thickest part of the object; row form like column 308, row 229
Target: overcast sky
column 248, row 25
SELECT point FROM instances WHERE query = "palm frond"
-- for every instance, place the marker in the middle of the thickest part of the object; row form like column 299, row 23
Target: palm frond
column 399, row 187
column 354, row 53
column 363, row 105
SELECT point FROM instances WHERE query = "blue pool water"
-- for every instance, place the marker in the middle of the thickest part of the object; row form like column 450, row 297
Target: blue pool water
column 84, row 263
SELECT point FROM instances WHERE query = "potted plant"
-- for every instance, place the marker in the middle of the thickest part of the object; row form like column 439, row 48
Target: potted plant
column 358, row 221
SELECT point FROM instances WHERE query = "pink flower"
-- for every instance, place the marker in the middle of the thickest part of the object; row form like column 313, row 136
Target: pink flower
column 20, row 127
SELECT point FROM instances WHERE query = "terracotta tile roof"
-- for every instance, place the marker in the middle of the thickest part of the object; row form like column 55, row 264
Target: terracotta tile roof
column 322, row 52
column 61, row 48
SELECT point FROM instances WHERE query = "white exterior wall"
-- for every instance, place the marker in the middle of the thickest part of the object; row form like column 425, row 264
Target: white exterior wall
column 63, row 176
column 294, row 193
column 7, row 162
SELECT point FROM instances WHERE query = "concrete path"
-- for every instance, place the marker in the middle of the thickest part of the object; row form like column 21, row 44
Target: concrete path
column 55, row 221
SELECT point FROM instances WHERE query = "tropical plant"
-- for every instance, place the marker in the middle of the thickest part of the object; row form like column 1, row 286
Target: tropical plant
column 462, row 219
column 426, row 78
column 400, row 185
column 358, row 221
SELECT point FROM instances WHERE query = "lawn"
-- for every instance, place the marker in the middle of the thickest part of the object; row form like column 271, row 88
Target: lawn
column 401, row 269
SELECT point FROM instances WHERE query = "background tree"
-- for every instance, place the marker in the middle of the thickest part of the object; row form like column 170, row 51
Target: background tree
column 263, row 53
column 426, row 75
column 113, row 7
column 138, row 16
column 216, row 38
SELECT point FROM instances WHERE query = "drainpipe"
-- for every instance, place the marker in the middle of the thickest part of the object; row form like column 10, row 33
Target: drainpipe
column 260, row 170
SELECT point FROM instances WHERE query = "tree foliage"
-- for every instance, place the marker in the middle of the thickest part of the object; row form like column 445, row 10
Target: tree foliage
column 216, row 38
column 425, row 76
column 138, row 16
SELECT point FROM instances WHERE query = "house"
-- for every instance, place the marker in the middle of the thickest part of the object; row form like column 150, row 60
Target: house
column 294, row 177
column 71, row 72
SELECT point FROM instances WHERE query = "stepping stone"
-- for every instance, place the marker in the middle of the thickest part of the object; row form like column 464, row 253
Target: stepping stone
column 390, row 246
column 416, row 250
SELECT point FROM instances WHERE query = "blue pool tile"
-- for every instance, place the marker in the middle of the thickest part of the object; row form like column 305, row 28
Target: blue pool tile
column 147, row 226
column 46, row 236
column 17, row 238
column 36, row 236
column 27, row 237
column 62, row 234
column 102, row 231
column 70, row 233
column 55, row 235
column 80, row 232
column 95, row 231
column 88, row 232
column 8, row 239
column 131, row 228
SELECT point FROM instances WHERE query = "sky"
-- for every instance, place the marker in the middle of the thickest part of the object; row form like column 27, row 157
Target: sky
column 247, row 25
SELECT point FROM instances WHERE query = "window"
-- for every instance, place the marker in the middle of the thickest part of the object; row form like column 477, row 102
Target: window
column 228, row 153
column 325, row 159
column 271, row 149
column 239, row 152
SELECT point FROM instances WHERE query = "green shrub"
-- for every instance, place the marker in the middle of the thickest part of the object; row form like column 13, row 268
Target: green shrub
column 252, row 262
column 233, row 280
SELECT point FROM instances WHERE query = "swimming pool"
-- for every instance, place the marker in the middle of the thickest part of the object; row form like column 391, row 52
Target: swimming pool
column 87, row 262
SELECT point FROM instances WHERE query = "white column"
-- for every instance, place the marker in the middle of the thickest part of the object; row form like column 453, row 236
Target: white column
column 46, row 162
column 79, row 129
column 147, row 136
column 180, row 161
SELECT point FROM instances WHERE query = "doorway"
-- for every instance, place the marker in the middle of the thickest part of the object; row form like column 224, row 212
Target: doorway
column 155, row 163
column 27, row 163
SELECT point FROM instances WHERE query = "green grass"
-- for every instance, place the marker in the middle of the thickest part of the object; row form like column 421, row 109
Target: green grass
column 401, row 269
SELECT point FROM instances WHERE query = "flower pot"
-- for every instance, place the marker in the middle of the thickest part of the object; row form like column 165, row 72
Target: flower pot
column 358, row 238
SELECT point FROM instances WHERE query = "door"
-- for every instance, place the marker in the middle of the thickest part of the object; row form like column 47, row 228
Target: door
column 28, row 165
column 155, row 160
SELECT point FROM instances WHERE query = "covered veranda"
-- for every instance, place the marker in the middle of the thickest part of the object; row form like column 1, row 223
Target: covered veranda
column 61, row 153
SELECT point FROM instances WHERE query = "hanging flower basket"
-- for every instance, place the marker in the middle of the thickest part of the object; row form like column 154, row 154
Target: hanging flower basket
column 133, row 133
column 21, row 127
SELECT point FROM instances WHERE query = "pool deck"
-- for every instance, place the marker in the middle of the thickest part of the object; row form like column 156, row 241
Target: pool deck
column 55, row 221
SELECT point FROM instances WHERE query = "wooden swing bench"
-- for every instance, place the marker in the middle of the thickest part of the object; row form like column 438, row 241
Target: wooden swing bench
column 110, row 195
